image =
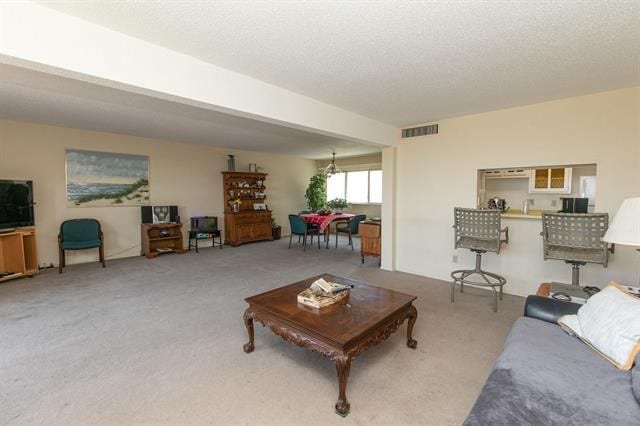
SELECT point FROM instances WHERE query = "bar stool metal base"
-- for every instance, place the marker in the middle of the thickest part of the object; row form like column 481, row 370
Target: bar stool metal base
column 489, row 279
column 575, row 271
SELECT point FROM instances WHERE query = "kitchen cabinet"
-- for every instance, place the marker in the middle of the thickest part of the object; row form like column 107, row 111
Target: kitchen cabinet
column 507, row 173
column 550, row 180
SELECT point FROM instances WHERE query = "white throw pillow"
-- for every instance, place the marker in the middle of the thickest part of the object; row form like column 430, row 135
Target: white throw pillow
column 609, row 323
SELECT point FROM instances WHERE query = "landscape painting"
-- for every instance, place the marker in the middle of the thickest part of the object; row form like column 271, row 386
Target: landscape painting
column 101, row 179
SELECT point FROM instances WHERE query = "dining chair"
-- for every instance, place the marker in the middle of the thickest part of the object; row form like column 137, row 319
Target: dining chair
column 309, row 225
column 299, row 227
column 80, row 234
column 351, row 227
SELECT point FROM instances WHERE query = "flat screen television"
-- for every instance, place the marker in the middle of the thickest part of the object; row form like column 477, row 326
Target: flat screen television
column 16, row 203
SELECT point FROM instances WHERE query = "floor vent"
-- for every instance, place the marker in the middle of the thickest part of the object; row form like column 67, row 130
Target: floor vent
column 431, row 129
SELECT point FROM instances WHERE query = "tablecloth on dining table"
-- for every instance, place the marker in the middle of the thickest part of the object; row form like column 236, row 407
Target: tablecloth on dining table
column 324, row 221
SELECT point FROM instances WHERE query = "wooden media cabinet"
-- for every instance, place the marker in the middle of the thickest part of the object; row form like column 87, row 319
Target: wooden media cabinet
column 18, row 253
column 161, row 238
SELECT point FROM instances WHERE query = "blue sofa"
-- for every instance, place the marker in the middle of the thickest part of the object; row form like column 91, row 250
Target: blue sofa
column 546, row 377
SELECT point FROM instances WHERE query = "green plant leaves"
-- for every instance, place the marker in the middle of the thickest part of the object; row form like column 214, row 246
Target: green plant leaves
column 316, row 193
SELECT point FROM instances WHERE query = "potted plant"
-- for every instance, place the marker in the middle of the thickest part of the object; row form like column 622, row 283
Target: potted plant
column 316, row 193
column 276, row 230
column 337, row 204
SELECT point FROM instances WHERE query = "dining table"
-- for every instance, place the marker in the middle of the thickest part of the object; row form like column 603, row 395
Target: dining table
column 324, row 221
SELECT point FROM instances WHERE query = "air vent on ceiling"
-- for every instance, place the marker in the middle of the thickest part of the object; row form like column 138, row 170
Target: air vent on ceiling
column 431, row 129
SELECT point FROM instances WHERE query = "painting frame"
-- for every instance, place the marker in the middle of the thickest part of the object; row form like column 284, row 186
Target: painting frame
column 106, row 179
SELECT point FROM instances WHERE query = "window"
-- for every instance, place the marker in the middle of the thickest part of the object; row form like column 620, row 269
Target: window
column 358, row 187
column 335, row 186
column 375, row 186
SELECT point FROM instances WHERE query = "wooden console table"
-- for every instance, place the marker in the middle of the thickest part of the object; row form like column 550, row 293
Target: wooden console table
column 18, row 254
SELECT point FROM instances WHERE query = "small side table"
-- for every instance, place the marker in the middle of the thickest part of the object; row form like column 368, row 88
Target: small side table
column 544, row 290
column 576, row 295
column 370, row 234
column 194, row 236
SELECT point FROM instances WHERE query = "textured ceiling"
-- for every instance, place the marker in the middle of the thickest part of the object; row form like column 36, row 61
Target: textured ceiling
column 34, row 96
column 399, row 62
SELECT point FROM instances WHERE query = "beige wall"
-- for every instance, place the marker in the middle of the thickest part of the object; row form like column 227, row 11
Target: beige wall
column 183, row 174
column 436, row 173
column 349, row 162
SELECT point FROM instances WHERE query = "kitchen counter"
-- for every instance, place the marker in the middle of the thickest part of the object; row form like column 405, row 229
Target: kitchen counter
column 517, row 214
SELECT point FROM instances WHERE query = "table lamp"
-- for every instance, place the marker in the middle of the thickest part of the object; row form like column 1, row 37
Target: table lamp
column 625, row 227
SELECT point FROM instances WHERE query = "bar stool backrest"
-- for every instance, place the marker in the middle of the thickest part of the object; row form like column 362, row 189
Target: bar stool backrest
column 477, row 229
column 571, row 234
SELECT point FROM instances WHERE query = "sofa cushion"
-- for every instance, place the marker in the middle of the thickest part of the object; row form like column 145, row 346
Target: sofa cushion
column 609, row 323
column 545, row 376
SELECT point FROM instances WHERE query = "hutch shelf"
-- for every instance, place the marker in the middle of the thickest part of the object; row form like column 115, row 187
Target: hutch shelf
column 246, row 218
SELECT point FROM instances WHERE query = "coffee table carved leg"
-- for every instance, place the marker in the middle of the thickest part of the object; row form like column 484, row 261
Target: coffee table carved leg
column 343, row 365
column 412, row 315
column 248, row 322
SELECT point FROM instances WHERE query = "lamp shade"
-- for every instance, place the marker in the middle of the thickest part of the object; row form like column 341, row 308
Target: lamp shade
column 625, row 227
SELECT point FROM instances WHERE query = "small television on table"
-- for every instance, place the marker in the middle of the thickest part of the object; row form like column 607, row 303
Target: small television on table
column 16, row 204
column 204, row 223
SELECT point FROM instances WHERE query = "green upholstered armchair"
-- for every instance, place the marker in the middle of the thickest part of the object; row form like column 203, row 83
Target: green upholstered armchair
column 80, row 234
column 351, row 228
column 299, row 227
column 309, row 225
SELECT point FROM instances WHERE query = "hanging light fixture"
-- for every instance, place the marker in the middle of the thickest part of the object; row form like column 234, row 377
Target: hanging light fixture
column 332, row 168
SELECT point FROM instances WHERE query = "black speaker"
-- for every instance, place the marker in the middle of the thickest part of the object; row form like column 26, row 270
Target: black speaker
column 173, row 214
column 574, row 205
column 147, row 214
column 163, row 214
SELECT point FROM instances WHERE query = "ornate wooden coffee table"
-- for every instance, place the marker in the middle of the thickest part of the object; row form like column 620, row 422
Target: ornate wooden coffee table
column 339, row 332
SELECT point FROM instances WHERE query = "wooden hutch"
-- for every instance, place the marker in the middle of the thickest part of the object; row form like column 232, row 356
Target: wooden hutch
column 245, row 224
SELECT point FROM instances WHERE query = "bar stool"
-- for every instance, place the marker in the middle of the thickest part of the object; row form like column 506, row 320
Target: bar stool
column 575, row 238
column 478, row 230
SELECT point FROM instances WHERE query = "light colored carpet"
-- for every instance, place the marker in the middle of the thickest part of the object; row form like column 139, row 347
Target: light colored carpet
column 160, row 341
